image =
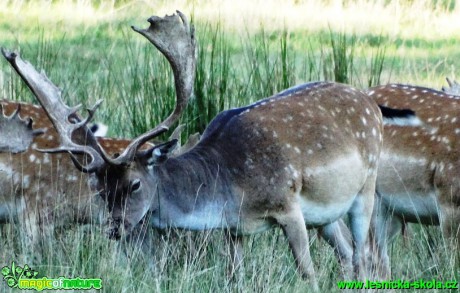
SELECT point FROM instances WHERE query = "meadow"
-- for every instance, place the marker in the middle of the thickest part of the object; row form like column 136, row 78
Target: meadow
column 247, row 50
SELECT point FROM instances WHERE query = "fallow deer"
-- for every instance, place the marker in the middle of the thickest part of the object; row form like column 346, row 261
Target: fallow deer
column 41, row 189
column 44, row 191
column 418, row 179
column 304, row 157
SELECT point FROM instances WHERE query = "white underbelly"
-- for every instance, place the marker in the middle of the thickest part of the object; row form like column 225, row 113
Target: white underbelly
column 211, row 216
column 330, row 189
column 414, row 207
column 318, row 214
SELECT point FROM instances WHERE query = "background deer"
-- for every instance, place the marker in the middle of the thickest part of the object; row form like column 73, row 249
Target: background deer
column 419, row 172
column 306, row 156
column 41, row 189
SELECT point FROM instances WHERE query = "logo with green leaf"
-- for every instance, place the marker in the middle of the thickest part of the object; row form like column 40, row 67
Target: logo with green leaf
column 15, row 273
column 25, row 278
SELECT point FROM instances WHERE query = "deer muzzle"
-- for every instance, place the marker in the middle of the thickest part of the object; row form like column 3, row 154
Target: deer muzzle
column 114, row 231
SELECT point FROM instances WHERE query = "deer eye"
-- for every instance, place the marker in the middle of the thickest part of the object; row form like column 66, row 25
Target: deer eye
column 135, row 185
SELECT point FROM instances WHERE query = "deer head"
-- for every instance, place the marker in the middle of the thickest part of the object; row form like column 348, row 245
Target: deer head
column 174, row 37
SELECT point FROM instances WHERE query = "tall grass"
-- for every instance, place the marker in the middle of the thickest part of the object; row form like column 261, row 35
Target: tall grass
column 93, row 54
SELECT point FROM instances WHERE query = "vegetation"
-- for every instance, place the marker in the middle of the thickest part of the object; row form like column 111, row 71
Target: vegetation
column 247, row 51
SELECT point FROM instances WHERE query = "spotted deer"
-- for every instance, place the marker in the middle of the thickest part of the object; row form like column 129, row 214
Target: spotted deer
column 418, row 180
column 302, row 158
column 41, row 189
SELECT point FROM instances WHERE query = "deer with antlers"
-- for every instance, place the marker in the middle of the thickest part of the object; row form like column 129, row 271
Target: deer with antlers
column 419, row 171
column 43, row 191
column 39, row 189
column 302, row 158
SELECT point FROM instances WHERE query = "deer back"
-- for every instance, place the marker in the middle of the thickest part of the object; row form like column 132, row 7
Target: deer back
column 422, row 158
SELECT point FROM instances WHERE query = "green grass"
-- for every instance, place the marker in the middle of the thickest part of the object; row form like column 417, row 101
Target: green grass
column 94, row 54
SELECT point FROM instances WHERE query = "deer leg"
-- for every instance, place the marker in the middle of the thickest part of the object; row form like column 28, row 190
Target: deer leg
column 34, row 234
column 450, row 223
column 379, row 237
column 360, row 217
column 236, row 252
column 30, row 230
column 338, row 236
column 293, row 225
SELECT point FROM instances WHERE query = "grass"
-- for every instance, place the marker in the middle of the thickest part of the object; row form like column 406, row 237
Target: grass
column 89, row 50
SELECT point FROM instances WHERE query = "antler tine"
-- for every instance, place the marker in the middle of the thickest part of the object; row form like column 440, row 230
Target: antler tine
column 64, row 118
column 175, row 39
column 91, row 111
column 453, row 88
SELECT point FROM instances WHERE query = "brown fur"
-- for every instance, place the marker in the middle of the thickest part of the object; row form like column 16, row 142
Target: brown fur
column 256, row 162
column 418, row 160
column 43, row 189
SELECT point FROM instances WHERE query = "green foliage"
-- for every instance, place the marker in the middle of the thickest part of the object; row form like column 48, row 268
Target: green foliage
column 213, row 76
column 343, row 53
column 377, row 62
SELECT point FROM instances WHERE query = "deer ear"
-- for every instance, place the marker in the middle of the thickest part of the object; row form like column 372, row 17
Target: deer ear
column 159, row 153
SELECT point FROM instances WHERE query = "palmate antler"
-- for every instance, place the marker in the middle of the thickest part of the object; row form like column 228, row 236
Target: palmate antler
column 173, row 36
column 16, row 134
column 453, row 88
column 67, row 123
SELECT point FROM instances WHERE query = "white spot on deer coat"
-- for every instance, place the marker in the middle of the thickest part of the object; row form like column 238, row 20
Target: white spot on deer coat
column 71, row 178
column 26, row 181
column 46, row 159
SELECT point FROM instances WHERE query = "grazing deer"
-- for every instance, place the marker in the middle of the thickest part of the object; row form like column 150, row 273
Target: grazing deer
column 41, row 189
column 304, row 157
column 418, row 179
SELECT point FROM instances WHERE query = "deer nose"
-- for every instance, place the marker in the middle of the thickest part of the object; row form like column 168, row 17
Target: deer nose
column 114, row 230
column 114, row 233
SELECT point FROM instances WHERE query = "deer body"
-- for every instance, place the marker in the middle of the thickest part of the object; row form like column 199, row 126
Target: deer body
column 33, row 176
column 285, row 161
column 251, row 166
column 418, row 179
column 40, row 188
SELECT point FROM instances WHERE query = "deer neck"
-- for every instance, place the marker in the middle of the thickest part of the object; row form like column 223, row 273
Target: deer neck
column 194, row 192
